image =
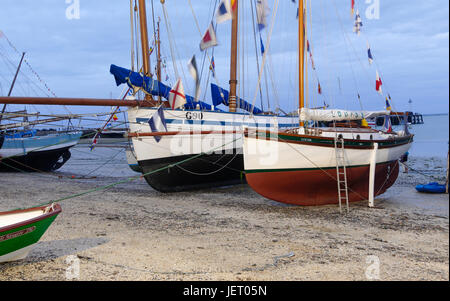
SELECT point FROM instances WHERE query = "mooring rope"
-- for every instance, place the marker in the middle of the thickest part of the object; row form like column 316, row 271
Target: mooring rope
column 129, row 179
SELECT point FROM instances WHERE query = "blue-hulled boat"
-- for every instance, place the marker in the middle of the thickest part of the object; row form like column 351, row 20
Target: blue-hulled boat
column 33, row 151
column 433, row 187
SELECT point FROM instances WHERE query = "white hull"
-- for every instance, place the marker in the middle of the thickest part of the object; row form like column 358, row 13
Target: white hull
column 270, row 154
column 146, row 148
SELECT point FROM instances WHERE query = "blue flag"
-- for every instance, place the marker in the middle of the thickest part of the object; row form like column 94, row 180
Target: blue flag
column 158, row 123
column 262, row 46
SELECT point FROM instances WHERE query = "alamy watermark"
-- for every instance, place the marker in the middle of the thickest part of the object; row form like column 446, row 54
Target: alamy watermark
column 73, row 9
column 373, row 9
column 373, row 270
column 73, row 270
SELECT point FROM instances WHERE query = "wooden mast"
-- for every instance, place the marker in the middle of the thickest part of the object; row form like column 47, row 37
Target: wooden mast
column 144, row 42
column 233, row 61
column 301, row 56
column 12, row 85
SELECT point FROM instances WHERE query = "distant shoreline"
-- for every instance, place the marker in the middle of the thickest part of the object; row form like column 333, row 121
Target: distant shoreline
column 435, row 114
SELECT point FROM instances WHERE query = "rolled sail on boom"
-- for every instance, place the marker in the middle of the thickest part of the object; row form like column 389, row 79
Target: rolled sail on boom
column 338, row 115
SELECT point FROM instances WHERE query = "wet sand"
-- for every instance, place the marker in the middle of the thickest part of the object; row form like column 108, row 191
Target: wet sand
column 131, row 232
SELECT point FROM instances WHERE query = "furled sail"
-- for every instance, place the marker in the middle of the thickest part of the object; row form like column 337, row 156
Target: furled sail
column 154, row 87
column 220, row 96
column 337, row 115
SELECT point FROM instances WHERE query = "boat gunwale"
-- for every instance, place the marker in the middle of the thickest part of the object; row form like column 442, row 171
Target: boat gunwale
column 56, row 210
column 369, row 143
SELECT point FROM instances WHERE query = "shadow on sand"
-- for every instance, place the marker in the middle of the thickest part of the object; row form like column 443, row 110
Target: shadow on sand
column 48, row 250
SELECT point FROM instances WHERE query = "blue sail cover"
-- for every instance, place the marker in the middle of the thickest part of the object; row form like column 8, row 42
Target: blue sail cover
column 220, row 96
column 154, row 87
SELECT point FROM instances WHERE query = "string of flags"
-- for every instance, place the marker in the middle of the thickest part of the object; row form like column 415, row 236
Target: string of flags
column 358, row 23
column 2, row 35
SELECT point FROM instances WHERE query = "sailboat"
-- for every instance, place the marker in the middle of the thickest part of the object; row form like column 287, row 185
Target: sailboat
column 21, row 230
column 197, row 129
column 310, row 165
column 25, row 149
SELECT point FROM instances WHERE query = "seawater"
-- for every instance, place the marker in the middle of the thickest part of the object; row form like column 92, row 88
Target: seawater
column 431, row 138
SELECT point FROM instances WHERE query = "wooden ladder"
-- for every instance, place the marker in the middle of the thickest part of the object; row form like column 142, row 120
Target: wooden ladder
column 341, row 172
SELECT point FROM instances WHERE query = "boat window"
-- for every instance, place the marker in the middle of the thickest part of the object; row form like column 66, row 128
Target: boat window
column 371, row 137
column 358, row 137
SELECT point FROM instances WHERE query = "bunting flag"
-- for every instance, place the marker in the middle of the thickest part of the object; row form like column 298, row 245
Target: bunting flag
column 194, row 73
column 378, row 84
column 369, row 53
column 158, row 123
column 209, row 39
column 320, row 89
column 93, row 144
column 308, row 49
column 115, row 118
column 353, row 7
column 388, row 105
column 177, row 98
column 224, row 12
column 387, row 125
column 212, row 67
column 261, row 13
column 358, row 23
column 262, row 46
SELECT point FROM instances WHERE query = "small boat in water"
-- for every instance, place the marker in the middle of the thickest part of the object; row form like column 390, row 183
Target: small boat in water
column 20, row 230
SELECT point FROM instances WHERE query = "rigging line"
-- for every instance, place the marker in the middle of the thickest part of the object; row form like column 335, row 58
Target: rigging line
column 171, row 46
column 132, row 34
column 317, row 166
column 200, row 33
column 45, row 146
column 134, row 178
column 347, row 39
column 101, row 166
column 327, row 46
column 35, row 73
column 265, row 54
column 214, row 163
column 256, row 51
column 382, row 76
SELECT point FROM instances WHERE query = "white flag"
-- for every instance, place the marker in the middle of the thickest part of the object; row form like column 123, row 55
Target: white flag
column 261, row 13
column 194, row 72
column 209, row 39
column 177, row 98
column 224, row 11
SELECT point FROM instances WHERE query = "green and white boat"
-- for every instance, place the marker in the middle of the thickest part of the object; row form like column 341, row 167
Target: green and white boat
column 20, row 230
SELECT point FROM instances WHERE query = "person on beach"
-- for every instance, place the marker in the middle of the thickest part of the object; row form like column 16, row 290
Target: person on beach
column 403, row 160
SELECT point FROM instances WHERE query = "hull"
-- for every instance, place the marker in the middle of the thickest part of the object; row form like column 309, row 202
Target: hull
column 46, row 153
column 220, row 160
column 315, row 187
column 20, row 230
column 301, row 169
column 203, row 172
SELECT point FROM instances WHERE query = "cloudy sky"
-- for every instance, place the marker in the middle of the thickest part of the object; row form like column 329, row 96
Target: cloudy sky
column 409, row 40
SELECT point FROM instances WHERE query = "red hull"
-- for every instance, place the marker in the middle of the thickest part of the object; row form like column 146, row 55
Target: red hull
column 319, row 187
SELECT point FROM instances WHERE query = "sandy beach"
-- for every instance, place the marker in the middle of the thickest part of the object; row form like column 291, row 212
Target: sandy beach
column 131, row 232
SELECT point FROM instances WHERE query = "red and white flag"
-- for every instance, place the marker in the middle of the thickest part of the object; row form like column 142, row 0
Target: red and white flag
column 209, row 39
column 378, row 84
column 177, row 98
